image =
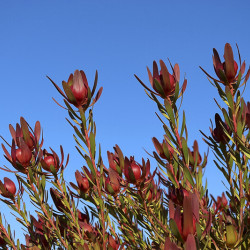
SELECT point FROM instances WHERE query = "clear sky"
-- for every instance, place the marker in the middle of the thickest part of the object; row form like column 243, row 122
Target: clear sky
column 119, row 39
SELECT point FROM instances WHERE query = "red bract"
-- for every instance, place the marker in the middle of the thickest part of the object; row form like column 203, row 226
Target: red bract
column 186, row 219
column 50, row 160
column 195, row 158
column 163, row 82
column 112, row 186
column 8, row 189
column 77, row 90
column 112, row 243
column 30, row 137
column 57, row 198
column 116, row 160
column 218, row 133
column 134, row 172
column 176, row 195
column 220, row 204
column 82, row 218
column 82, row 182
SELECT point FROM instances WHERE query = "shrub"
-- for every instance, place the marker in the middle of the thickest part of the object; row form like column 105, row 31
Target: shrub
column 126, row 205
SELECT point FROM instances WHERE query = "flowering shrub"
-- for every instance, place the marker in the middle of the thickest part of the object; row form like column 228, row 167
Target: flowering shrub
column 126, row 205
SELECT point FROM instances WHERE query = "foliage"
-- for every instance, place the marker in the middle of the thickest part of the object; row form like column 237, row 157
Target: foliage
column 126, row 205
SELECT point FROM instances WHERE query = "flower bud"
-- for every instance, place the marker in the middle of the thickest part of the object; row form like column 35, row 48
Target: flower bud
column 8, row 189
column 50, row 160
column 82, row 182
column 132, row 170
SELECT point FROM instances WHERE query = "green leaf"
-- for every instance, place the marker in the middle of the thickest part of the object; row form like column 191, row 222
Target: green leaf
column 185, row 150
column 170, row 112
column 70, row 109
column 183, row 124
column 158, row 88
column 80, row 135
column 177, row 88
column 175, row 230
column 168, row 133
column 83, row 118
column 92, row 144
column 188, row 175
column 227, row 119
column 90, row 165
column 68, row 92
column 221, row 92
column 230, row 98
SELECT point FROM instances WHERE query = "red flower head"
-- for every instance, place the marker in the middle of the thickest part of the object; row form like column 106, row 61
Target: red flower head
column 218, row 133
column 82, row 182
column 8, row 189
column 164, row 82
column 195, row 158
column 116, row 160
column 77, row 90
column 25, row 144
column 134, row 172
column 112, row 182
column 227, row 70
column 52, row 160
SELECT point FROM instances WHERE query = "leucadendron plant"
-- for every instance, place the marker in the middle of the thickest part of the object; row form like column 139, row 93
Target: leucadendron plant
column 155, row 203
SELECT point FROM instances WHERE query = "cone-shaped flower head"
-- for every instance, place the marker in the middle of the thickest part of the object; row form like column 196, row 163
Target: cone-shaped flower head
column 50, row 160
column 77, row 90
column 25, row 144
column 227, row 70
column 8, row 188
column 82, row 182
column 163, row 82
column 116, row 160
column 112, row 182
column 134, row 172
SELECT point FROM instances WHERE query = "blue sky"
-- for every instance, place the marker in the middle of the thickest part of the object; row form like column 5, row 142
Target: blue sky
column 119, row 39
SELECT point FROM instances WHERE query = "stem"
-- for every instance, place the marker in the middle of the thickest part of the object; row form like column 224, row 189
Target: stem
column 241, row 207
column 97, row 176
column 7, row 235
column 47, row 215
column 71, row 212
column 152, row 223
